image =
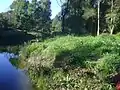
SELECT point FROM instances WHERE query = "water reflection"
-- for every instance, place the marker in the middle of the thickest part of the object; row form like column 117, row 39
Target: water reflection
column 10, row 77
column 9, row 55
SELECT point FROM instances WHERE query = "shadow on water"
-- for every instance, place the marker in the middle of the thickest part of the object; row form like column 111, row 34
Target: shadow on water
column 10, row 77
column 14, row 37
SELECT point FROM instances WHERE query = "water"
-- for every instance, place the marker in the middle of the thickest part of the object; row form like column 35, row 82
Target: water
column 10, row 77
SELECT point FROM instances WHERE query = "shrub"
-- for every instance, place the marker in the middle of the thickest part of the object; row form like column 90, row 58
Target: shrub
column 109, row 64
column 61, row 56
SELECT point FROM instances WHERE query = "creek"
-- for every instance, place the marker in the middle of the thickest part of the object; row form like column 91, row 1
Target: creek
column 12, row 78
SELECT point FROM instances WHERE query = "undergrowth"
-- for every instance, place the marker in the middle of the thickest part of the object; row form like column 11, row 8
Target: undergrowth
column 73, row 63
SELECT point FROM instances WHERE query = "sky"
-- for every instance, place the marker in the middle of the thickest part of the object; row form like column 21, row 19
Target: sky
column 4, row 6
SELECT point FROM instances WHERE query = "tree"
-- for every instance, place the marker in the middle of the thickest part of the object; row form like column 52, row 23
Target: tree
column 73, row 16
column 98, row 12
column 20, row 9
column 112, row 16
column 46, row 14
column 33, row 16
column 56, row 25
column 34, row 11
column 4, row 24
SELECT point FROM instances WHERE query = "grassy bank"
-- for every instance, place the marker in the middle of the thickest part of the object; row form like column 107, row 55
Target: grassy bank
column 73, row 63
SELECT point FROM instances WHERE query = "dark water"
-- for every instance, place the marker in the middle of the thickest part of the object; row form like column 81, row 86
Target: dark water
column 10, row 77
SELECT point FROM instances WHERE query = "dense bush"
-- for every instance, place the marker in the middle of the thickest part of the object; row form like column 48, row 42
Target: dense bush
column 74, row 63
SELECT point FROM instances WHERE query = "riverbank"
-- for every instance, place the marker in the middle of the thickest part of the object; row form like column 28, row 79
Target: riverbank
column 12, row 40
column 15, row 37
column 74, row 63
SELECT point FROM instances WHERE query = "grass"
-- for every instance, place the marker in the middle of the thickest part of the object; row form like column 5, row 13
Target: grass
column 74, row 63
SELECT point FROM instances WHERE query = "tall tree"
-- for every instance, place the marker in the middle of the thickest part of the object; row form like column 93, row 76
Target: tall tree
column 112, row 16
column 20, row 8
column 46, row 14
column 34, row 15
column 98, row 2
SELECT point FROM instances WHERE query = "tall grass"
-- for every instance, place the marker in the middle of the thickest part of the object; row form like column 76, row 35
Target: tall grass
column 73, row 63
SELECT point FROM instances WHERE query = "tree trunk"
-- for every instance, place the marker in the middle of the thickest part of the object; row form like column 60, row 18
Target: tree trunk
column 98, row 28
column 112, row 27
column 111, row 31
column 64, row 13
column 63, row 23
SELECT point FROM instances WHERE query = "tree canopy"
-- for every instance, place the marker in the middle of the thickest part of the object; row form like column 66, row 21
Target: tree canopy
column 77, row 17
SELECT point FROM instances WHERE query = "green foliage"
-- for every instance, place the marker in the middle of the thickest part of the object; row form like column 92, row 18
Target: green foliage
column 109, row 64
column 15, row 62
column 19, row 8
column 80, row 17
column 32, row 16
column 72, row 62
column 68, row 62
column 79, row 49
column 4, row 22
column 78, row 79
column 56, row 25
